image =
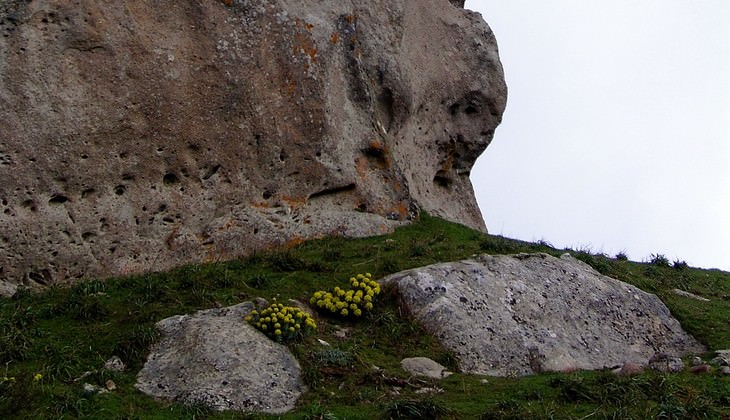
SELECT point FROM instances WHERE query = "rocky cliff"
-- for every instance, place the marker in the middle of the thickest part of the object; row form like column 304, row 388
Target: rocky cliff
column 140, row 135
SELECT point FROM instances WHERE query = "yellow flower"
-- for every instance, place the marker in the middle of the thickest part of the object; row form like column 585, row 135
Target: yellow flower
column 344, row 312
column 291, row 329
column 297, row 326
column 368, row 275
column 368, row 298
column 248, row 318
column 368, row 305
column 277, row 325
column 263, row 327
column 353, row 306
column 356, row 299
column 37, row 377
column 277, row 332
column 358, row 312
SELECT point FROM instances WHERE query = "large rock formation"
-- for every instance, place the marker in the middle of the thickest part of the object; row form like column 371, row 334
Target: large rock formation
column 217, row 359
column 517, row 315
column 139, row 135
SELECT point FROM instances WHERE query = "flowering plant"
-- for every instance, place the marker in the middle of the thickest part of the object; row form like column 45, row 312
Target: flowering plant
column 355, row 301
column 282, row 323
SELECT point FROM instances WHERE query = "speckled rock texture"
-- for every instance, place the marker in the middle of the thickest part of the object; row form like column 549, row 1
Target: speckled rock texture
column 141, row 135
column 217, row 359
column 529, row 313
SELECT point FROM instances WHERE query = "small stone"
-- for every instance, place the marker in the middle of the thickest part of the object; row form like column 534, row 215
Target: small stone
column 7, row 289
column 696, row 361
column 322, row 342
column 115, row 364
column 423, row 366
column 663, row 362
column 725, row 370
column 722, row 358
column 342, row 332
column 700, row 369
column 110, row 385
column 720, row 361
column 429, row 390
column 630, row 369
column 682, row 293
column 93, row 389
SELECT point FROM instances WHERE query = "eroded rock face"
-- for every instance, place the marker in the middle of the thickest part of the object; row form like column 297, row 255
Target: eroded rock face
column 140, row 135
column 216, row 358
column 517, row 315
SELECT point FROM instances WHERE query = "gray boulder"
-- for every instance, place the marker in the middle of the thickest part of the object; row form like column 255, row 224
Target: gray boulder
column 166, row 132
column 517, row 315
column 216, row 358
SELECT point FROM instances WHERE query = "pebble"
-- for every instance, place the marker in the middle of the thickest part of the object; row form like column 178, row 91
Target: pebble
column 700, row 369
column 629, row 369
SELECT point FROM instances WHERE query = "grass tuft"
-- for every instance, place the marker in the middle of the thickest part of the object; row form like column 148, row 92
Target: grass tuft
column 64, row 333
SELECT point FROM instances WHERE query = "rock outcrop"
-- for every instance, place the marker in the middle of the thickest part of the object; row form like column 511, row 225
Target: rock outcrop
column 217, row 359
column 517, row 315
column 140, row 135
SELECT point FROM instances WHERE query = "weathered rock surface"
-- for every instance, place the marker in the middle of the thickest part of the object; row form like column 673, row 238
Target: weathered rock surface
column 423, row 366
column 515, row 315
column 215, row 358
column 139, row 135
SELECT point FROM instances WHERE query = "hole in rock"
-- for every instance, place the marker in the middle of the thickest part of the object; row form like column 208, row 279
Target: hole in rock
column 471, row 110
column 453, row 109
column 170, row 178
column 267, row 194
column 120, row 189
column 58, row 199
column 87, row 192
column 442, row 179
column 30, row 204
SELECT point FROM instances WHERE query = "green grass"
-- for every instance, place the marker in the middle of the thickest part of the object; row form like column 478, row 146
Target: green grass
column 66, row 333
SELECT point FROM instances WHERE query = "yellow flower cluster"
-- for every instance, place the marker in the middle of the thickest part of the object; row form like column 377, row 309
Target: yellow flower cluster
column 282, row 323
column 355, row 301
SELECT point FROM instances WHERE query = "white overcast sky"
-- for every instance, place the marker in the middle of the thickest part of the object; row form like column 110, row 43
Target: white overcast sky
column 616, row 135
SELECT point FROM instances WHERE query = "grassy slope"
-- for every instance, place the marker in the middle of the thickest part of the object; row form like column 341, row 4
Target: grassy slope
column 65, row 332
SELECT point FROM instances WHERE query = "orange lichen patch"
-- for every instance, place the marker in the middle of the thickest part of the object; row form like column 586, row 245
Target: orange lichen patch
column 228, row 225
column 378, row 153
column 351, row 18
column 170, row 240
column 334, row 38
column 311, row 52
column 361, row 167
column 291, row 87
column 296, row 240
column 294, row 202
column 377, row 147
column 401, row 209
column 228, row 2
column 303, row 40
